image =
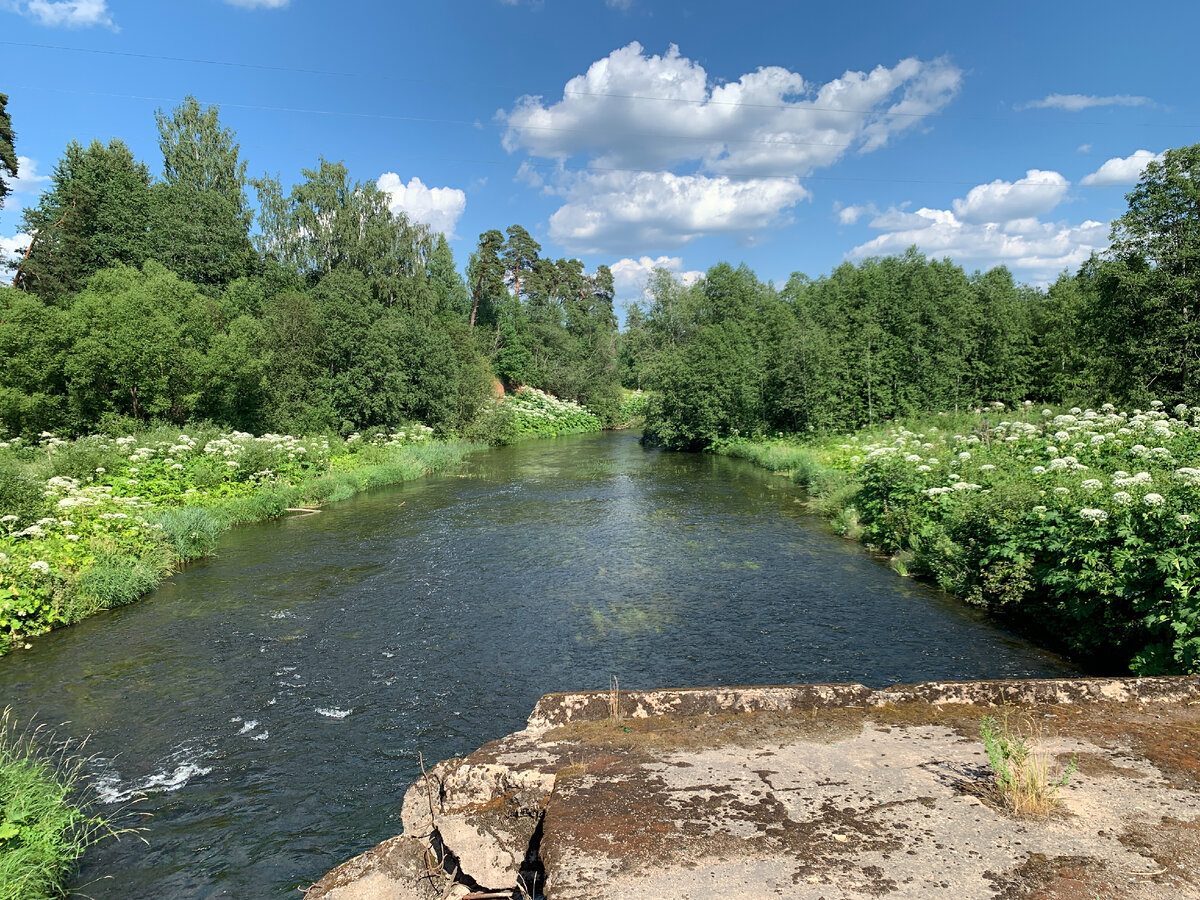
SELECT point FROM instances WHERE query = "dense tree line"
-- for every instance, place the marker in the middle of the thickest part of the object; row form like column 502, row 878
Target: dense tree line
column 892, row 337
column 145, row 298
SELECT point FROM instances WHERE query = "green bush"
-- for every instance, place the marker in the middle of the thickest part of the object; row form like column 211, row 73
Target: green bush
column 191, row 531
column 1082, row 527
column 119, row 578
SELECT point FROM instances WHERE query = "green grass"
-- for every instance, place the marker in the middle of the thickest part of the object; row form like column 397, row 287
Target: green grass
column 45, row 817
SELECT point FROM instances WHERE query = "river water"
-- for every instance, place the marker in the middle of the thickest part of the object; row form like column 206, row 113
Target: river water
column 271, row 701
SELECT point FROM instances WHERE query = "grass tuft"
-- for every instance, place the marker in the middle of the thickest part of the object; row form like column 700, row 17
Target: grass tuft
column 1023, row 779
column 46, row 817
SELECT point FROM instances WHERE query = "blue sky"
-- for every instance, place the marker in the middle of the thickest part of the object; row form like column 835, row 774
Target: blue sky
column 789, row 136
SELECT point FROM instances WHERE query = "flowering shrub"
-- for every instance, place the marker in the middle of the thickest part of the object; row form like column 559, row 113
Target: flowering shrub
column 110, row 516
column 538, row 414
column 1082, row 523
column 634, row 406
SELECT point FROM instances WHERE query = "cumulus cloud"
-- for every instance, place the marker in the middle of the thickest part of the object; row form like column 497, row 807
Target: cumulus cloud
column 607, row 212
column 439, row 208
column 1037, row 193
column 633, row 109
column 630, row 275
column 1118, row 170
column 636, row 111
column 259, row 4
column 28, row 181
column 993, row 225
column 1080, row 102
column 64, row 13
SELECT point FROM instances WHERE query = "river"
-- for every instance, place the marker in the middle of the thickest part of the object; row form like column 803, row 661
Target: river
column 271, row 701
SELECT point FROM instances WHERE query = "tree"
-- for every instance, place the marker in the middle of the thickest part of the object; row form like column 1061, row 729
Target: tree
column 96, row 214
column 1147, row 290
column 201, row 219
column 330, row 221
column 201, row 156
column 485, row 275
column 8, row 155
column 139, row 339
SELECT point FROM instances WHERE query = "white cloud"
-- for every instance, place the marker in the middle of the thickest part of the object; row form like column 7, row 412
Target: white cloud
column 439, row 208
column 768, row 121
column 11, row 250
column 615, row 212
column 634, row 111
column 64, row 13
column 1080, row 102
column 28, row 181
column 849, row 215
column 630, row 275
column 622, row 5
column 1037, row 193
column 1121, row 171
column 259, row 4
column 1084, row 148
column 994, row 225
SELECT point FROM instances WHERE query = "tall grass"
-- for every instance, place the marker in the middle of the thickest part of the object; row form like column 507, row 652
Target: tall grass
column 46, row 820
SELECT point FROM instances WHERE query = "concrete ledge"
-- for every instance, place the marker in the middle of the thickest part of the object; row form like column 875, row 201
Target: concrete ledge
column 556, row 710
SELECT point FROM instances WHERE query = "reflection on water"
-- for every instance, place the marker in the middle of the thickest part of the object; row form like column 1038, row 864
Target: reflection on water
column 272, row 701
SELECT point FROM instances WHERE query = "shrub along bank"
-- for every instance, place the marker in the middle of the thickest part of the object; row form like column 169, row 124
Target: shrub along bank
column 94, row 523
column 1078, row 526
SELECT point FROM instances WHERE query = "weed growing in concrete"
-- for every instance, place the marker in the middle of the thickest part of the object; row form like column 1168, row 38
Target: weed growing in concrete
column 1024, row 781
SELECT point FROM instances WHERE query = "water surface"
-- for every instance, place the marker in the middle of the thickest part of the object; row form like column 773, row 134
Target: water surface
column 272, row 701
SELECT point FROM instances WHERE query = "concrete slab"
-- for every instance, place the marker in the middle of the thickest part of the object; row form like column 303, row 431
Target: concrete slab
column 821, row 791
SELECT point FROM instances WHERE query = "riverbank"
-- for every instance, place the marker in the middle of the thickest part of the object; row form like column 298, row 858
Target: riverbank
column 1079, row 525
column 96, row 523
column 811, row 791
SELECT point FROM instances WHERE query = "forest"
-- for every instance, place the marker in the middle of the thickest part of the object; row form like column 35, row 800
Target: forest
column 167, row 299
column 172, row 299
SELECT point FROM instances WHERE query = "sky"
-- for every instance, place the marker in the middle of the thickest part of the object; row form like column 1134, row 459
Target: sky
column 790, row 136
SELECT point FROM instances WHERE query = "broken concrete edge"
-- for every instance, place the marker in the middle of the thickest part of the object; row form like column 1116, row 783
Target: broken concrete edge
column 556, row 710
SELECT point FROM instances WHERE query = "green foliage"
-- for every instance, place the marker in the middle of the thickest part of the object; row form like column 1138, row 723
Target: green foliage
column 1079, row 526
column 538, row 414
column 97, row 213
column 8, row 154
column 118, row 577
column 192, row 531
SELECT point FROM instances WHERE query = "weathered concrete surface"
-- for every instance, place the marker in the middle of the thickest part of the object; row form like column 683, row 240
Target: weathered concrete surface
column 815, row 791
